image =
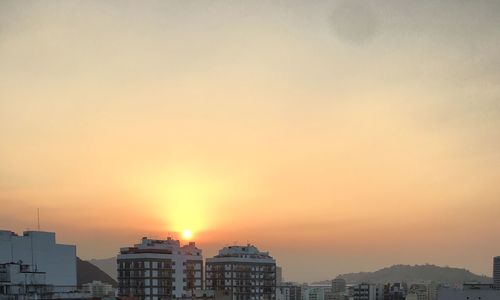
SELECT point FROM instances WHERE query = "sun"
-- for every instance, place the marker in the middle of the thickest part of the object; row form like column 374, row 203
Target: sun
column 187, row 234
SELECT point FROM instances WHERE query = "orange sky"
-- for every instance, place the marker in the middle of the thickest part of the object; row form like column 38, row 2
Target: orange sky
column 339, row 135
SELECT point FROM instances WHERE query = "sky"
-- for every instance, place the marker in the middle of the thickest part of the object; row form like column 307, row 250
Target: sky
column 340, row 136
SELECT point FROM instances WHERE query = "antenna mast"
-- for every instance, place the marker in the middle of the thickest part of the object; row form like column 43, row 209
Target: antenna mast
column 38, row 218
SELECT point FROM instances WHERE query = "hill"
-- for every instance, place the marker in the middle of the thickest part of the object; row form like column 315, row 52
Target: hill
column 108, row 265
column 414, row 274
column 87, row 272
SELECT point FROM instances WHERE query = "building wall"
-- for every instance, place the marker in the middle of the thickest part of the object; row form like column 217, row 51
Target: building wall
column 40, row 250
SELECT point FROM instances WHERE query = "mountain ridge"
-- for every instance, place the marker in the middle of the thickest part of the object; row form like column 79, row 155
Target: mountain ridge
column 414, row 274
column 87, row 272
column 108, row 265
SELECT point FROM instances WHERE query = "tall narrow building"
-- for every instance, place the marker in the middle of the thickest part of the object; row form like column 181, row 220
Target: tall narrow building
column 246, row 272
column 159, row 269
column 496, row 271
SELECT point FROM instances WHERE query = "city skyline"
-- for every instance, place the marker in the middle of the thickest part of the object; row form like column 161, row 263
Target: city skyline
column 342, row 136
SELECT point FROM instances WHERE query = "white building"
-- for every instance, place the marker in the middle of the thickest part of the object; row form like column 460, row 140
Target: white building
column 474, row 291
column 159, row 269
column 366, row 291
column 98, row 289
column 316, row 292
column 39, row 249
column 244, row 270
column 20, row 281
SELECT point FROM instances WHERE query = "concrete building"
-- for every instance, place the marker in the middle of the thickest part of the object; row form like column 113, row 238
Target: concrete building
column 395, row 291
column 338, row 289
column 469, row 291
column 159, row 269
column 316, row 292
column 496, row 271
column 98, row 289
column 22, row 282
column 366, row 291
column 422, row 291
column 338, row 285
column 288, row 291
column 279, row 275
column 244, row 270
column 40, row 250
column 418, row 292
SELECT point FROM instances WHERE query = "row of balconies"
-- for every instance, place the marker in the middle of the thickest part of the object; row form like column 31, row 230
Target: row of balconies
column 241, row 275
column 151, row 264
column 242, row 267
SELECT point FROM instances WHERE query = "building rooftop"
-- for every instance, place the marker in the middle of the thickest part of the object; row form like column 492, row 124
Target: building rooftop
column 168, row 246
column 248, row 251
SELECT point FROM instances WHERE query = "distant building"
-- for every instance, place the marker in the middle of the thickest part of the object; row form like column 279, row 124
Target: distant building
column 395, row 291
column 338, row 285
column 496, row 271
column 422, row 291
column 159, row 269
column 279, row 275
column 338, row 289
column 244, row 270
column 366, row 291
column 418, row 292
column 98, row 289
column 317, row 292
column 39, row 250
column 288, row 291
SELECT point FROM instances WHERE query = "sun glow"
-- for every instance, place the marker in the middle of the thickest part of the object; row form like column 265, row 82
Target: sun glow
column 186, row 198
column 187, row 234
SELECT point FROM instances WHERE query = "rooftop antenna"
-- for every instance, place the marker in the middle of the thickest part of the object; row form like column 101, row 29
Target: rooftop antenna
column 38, row 218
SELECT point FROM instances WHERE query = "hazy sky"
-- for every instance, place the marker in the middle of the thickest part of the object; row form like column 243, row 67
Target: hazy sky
column 338, row 135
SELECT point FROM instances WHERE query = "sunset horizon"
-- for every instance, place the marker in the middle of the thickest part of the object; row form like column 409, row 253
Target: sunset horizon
column 339, row 136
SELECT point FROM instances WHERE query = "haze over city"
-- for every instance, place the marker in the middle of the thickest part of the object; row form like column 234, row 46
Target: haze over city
column 341, row 136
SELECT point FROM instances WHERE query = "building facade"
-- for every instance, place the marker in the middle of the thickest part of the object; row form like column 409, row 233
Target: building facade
column 98, row 289
column 496, row 271
column 395, row 291
column 246, row 272
column 288, row 291
column 469, row 291
column 316, row 292
column 338, row 285
column 40, row 250
column 159, row 269
column 366, row 291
